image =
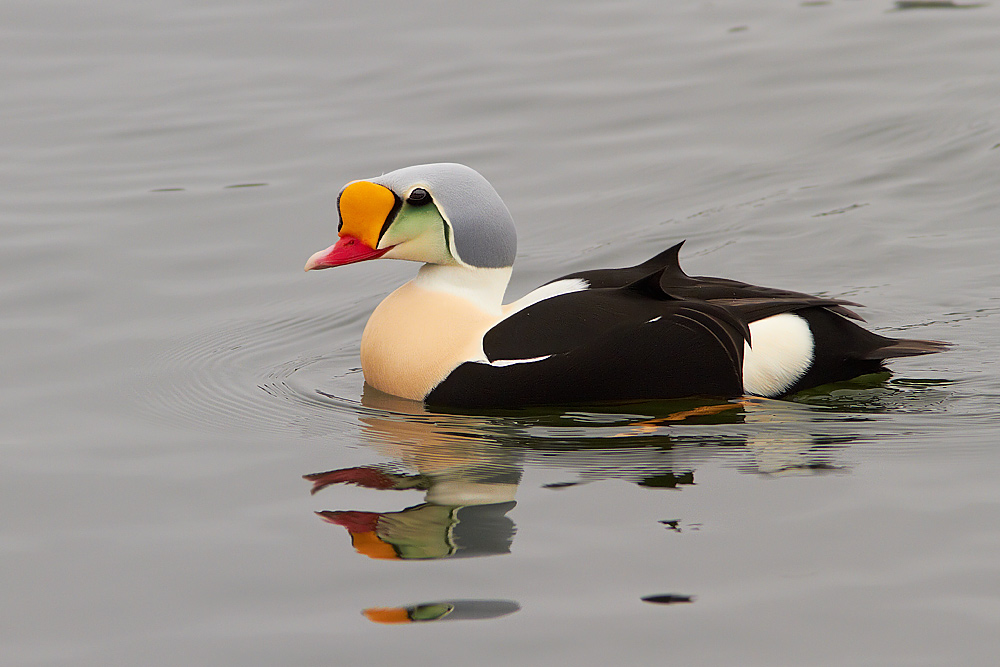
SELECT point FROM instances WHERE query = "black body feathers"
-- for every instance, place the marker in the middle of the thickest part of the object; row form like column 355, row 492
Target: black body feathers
column 650, row 331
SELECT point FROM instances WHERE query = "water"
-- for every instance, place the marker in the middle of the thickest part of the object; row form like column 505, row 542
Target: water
column 170, row 373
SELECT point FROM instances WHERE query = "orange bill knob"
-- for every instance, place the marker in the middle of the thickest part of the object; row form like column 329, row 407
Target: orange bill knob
column 365, row 207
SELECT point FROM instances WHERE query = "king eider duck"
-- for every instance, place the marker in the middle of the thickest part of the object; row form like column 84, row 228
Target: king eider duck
column 644, row 332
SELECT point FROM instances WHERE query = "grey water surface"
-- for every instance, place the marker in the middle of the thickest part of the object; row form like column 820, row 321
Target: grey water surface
column 170, row 374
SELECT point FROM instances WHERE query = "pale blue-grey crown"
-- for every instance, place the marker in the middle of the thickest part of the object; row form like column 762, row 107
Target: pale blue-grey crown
column 483, row 229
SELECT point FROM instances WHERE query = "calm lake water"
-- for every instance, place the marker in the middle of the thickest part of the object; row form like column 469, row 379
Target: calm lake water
column 170, row 374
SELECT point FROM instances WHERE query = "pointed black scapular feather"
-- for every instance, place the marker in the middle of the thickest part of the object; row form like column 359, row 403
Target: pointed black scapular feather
column 752, row 302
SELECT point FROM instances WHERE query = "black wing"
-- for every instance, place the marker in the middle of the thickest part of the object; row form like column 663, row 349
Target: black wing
column 609, row 344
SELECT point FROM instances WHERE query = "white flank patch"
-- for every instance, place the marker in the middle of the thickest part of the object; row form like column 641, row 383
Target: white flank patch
column 511, row 362
column 558, row 288
column 782, row 353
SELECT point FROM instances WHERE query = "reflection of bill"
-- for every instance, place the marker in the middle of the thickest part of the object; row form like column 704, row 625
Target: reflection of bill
column 451, row 610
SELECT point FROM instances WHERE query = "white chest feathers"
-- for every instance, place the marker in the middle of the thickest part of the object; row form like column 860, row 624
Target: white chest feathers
column 782, row 352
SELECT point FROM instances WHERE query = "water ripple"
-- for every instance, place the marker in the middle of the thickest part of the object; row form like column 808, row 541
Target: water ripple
column 258, row 375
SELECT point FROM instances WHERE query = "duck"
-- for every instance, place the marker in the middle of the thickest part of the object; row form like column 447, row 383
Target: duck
column 647, row 332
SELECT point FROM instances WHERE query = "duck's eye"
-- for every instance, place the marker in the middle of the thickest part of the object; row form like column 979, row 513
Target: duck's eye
column 418, row 197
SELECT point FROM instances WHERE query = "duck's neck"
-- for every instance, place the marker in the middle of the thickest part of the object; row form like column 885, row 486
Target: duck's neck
column 483, row 287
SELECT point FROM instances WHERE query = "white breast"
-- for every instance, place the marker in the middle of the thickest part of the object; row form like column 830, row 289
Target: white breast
column 426, row 328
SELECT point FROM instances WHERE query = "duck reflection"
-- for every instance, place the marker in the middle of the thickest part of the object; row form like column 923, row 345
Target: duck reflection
column 469, row 467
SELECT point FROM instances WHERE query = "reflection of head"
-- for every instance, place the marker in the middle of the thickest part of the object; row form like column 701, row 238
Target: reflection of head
column 429, row 531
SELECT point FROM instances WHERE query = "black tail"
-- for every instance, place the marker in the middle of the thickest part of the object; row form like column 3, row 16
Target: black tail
column 907, row 347
column 844, row 350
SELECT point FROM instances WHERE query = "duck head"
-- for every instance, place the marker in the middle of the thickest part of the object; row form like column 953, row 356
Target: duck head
column 444, row 213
